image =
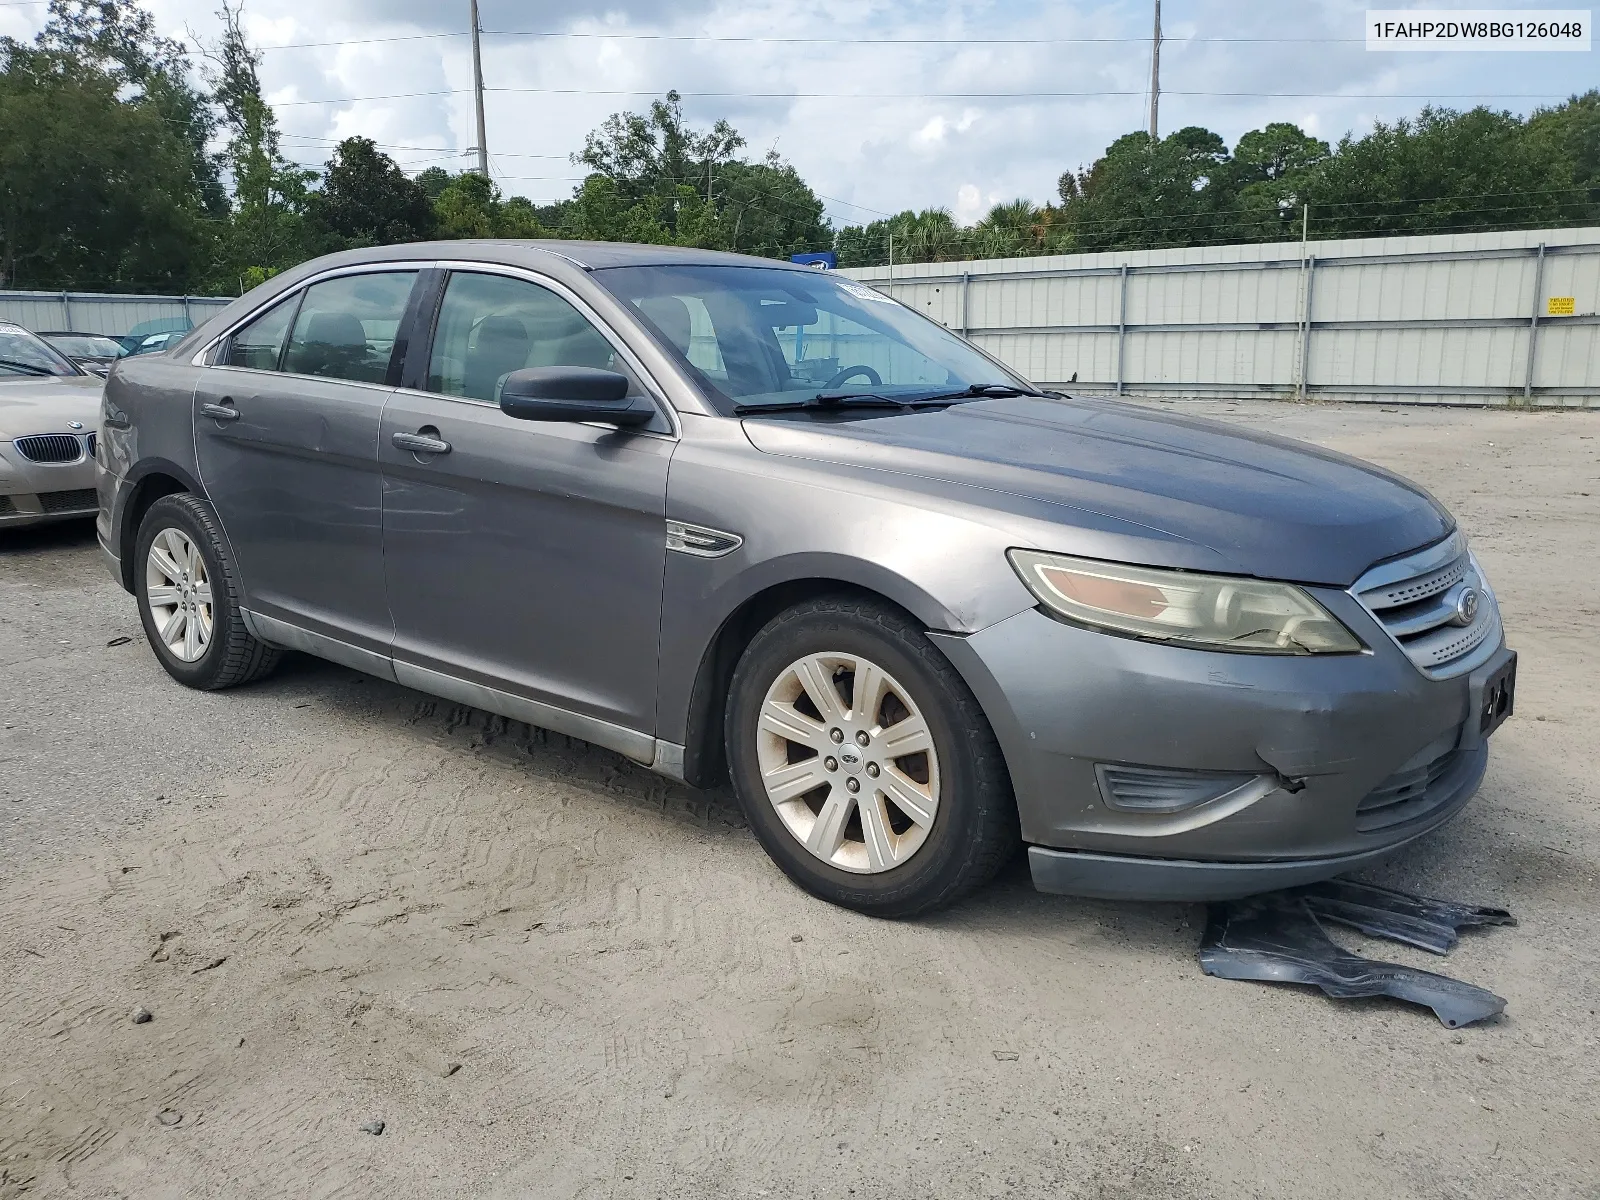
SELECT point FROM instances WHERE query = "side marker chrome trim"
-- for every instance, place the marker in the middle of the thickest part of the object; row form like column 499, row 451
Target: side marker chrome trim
column 701, row 541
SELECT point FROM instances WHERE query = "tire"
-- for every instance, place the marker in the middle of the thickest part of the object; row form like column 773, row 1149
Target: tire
column 225, row 655
column 873, row 850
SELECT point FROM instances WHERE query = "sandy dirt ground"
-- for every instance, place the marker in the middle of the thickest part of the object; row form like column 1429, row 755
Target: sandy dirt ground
column 551, row 973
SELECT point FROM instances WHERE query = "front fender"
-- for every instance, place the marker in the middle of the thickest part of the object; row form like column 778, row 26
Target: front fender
column 803, row 526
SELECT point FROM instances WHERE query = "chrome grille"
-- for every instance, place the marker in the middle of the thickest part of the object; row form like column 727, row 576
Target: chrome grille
column 89, row 443
column 49, row 448
column 1415, row 600
column 77, row 500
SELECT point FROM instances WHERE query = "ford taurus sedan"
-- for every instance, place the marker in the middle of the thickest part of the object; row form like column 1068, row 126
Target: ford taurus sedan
column 740, row 520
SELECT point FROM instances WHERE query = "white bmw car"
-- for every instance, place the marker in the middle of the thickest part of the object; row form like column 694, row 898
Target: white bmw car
column 49, row 417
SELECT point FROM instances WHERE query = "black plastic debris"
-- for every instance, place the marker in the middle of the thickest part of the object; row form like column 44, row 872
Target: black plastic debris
column 1432, row 925
column 1278, row 939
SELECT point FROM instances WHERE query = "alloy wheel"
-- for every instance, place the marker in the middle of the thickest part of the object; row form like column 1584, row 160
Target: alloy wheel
column 179, row 594
column 848, row 762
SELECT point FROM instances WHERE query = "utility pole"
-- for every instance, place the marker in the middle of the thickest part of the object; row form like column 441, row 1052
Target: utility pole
column 477, row 94
column 1155, row 77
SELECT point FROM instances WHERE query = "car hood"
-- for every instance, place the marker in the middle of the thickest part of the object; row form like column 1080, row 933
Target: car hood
column 1264, row 505
column 45, row 404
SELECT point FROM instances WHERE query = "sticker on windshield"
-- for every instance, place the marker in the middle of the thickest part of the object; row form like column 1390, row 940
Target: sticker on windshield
column 862, row 292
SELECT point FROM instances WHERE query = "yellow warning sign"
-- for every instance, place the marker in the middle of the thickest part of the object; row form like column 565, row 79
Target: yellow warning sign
column 1561, row 306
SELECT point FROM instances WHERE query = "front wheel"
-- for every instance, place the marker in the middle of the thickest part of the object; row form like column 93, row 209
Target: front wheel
column 864, row 763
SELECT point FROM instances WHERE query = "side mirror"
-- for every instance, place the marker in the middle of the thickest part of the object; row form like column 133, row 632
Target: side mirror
column 572, row 394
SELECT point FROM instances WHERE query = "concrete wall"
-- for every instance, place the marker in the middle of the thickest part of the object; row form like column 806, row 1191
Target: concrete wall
column 101, row 312
column 1454, row 318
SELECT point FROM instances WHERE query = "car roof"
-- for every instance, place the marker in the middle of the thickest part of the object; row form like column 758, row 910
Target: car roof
column 590, row 256
column 599, row 255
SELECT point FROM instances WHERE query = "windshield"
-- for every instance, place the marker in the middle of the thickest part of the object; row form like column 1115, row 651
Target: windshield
column 155, row 342
column 24, row 353
column 753, row 335
column 85, row 345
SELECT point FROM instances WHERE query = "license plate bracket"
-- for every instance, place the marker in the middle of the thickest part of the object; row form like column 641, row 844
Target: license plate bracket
column 1497, row 699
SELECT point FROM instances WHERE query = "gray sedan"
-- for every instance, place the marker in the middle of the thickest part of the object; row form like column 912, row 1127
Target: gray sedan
column 741, row 520
column 49, row 410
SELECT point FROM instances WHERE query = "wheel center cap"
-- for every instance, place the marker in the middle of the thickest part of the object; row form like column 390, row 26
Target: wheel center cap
column 851, row 758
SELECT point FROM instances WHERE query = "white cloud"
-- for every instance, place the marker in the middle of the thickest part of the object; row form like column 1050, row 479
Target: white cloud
column 931, row 134
column 972, row 204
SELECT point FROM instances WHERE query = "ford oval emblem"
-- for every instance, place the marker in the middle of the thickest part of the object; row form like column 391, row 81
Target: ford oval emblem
column 1466, row 606
column 74, row 424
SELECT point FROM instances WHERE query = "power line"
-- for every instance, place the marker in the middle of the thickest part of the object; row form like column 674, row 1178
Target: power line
column 443, row 150
column 631, row 92
column 740, row 39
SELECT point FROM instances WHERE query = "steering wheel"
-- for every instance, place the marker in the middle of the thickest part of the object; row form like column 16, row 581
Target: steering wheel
column 849, row 372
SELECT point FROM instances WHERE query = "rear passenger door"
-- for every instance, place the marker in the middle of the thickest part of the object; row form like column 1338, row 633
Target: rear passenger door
column 286, row 435
column 527, row 556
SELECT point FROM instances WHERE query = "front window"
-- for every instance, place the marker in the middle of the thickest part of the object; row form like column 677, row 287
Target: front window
column 24, row 353
column 492, row 325
column 754, row 335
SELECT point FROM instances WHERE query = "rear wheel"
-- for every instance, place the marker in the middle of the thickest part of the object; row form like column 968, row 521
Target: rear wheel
column 864, row 763
column 188, row 598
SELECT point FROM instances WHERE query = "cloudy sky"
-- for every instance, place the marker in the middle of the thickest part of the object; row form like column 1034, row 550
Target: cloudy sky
column 881, row 105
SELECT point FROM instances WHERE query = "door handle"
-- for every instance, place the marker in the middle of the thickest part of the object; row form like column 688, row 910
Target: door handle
column 420, row 443
column 220, row 412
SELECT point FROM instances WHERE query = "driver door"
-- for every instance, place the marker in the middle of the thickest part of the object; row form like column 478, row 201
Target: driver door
column 527, row 557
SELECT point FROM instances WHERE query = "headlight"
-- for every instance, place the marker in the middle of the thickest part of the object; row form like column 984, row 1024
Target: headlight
column 1218, row 612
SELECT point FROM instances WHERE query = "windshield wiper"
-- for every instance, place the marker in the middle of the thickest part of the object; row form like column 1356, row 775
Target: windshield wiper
column 986, row 391
column 825, row 401
column 828, row 401
column 25, row 367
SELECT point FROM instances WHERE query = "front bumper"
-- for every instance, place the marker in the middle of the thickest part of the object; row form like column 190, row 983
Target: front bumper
column 1323, row 738
column 32, row 493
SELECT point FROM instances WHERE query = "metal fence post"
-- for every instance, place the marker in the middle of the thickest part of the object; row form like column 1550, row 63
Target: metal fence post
column 66, row 312
column 1305, row 332
column 1122, row 324
column 1533, row 323
column 966, row 284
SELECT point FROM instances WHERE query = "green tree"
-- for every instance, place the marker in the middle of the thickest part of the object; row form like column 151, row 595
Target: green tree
column 927, row 236
column 654, row 153
column 1571, row 132
column 1273, row 173
column 119, row 38
column 1153, row 193
column 665, row 181
column 433, row 181
column 99, row 185
column 470, row 206
column 765, row 208
column 366, row 200
column 1444, row 171
column 268, row 227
